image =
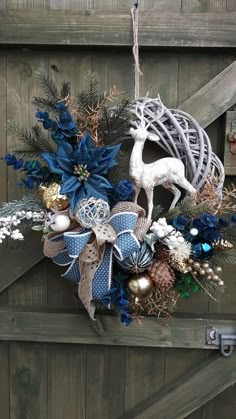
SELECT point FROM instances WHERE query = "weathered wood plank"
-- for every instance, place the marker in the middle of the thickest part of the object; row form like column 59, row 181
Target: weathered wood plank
column 229, row 154
column 190, row 391
column 106, row 330
column 10, row 272
column 4, row 380
column 214, row 98
column 66, row 381
column 105, row 382
column 28, row 380
column 145, row 372
column 70, row 27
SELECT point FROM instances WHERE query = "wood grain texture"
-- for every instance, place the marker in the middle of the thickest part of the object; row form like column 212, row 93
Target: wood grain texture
column 28, row 381
column 190, row 391
column 105, row 384
column 214, row 98
column 145, row 372
column 174, row 5
column 27, row 4
column 229, row 157
column 107, row 330
column 4, row 381
column 91, row 27
column 66, row 381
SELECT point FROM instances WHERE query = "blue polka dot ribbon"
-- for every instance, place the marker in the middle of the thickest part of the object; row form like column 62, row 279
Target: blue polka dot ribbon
column 116, row 238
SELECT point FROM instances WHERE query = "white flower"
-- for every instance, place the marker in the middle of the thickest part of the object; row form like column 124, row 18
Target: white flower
column 181, row 252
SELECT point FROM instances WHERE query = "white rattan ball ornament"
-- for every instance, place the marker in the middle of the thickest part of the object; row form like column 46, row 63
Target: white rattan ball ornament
column 91, row 212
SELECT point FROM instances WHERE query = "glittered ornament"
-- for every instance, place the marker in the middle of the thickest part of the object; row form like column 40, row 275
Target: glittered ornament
column 138, row 261
column 180, row 265
column 202, row 250
column 52, row 198
column 91, row 212
column 222, row 245
column 162, row 275
column 140, row 285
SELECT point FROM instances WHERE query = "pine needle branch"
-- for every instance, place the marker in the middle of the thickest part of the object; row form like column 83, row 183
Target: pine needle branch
column 65, row 89
column 43, row 103
column 121, row 171
column 34, row 139
column 47, row 85
column 29, row 202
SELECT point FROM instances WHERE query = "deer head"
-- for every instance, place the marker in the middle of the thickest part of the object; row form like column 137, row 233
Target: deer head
column 141, row 133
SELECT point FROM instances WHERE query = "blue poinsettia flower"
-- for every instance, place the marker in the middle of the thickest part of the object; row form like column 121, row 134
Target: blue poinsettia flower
column 82, row 169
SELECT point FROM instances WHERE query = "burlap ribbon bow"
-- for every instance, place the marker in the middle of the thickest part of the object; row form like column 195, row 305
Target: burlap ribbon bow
column 89, row 253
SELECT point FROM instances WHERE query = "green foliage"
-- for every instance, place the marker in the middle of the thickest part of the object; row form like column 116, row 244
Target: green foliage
column 185, row 284
column 114, row 123
column 120, row 171
column 65, row 89
column 222, row 257
column 35, row 140
column 29, row 202
column 189, row 208
column 90, row 96
column 53, row 95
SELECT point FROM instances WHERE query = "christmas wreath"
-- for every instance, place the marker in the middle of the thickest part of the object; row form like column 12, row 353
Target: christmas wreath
column 73, row 167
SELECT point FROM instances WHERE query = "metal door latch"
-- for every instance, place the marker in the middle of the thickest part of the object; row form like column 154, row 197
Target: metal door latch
column 224, row 339
column 232, row 138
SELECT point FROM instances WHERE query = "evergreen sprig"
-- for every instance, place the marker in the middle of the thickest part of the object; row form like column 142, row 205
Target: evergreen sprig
column 189, row 208
column 90, row 96
column 29, row 202
column 48, row 85
column 35, row 140
column 120, row 171
column 114, row 123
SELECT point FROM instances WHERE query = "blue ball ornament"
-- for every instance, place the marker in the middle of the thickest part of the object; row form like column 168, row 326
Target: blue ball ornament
column 139, row 261
column 202, row 250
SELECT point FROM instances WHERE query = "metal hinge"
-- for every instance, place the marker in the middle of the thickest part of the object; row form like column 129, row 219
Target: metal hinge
column 224, row 339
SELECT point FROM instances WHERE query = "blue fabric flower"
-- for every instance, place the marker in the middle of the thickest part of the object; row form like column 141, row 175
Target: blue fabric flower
column 125, row 189
column 233, row 218
column 118, row 297
column 64, row 128
column 180, row 222
column 11, row 160
column 35, row 174
column 209, row 220
column 82, row 169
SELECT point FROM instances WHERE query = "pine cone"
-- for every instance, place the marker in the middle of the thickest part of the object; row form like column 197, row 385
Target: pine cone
column 161, row 253
column 162, row 275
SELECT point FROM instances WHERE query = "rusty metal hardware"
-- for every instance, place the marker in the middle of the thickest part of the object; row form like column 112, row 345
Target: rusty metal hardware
column 224, row 339
column 232, row 138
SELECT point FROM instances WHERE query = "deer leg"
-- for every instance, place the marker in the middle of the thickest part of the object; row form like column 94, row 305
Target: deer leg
column 185, row 184
column 149, row 195
column 136, row 192
column 176, row 192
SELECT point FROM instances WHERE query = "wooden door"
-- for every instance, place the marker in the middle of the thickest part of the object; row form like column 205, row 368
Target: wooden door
column 54, row 362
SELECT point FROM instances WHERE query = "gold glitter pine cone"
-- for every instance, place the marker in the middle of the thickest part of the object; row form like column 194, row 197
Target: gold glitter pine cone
column 161, row 253
column 162, row 275
column 51, row 197
column 222, row 245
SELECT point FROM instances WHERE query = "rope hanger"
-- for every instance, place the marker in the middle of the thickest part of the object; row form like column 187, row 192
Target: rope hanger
column 137, row 70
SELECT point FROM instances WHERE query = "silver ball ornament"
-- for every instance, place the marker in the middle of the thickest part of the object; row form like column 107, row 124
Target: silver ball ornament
column 218, row 269
column 91, row 212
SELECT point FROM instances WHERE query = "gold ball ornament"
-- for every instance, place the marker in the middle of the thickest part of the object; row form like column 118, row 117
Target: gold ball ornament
column 52, row 198
column 140, row 285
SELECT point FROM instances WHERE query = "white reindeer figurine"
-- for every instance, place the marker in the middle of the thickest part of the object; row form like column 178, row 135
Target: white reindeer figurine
column 167, row 172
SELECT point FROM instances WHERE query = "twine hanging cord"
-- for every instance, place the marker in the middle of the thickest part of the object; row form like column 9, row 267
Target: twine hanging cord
column 137, row 71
